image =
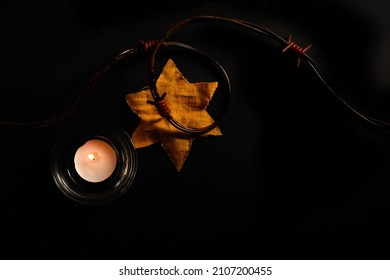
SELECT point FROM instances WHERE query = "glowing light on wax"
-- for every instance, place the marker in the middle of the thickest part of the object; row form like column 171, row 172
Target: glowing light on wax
column 95, row 161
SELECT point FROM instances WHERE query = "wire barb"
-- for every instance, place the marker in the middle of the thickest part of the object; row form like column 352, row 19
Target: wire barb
column 299, row 51
column 148, row 45
column 161, row 106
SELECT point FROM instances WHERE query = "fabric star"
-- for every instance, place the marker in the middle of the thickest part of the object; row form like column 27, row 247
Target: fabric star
column 188, row 103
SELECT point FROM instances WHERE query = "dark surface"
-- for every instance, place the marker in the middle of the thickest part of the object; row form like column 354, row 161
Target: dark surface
column 295, row 175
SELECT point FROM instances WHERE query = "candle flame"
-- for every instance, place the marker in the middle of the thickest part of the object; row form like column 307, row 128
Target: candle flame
column 91, row 156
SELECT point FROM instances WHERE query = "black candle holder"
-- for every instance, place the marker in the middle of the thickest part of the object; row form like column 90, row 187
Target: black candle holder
column 72, row 184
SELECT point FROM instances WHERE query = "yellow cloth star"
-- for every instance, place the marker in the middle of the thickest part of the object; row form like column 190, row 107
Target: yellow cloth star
column 188, row 103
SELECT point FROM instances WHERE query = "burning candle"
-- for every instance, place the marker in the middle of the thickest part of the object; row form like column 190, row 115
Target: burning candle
column 90, row 169
column 95, row 161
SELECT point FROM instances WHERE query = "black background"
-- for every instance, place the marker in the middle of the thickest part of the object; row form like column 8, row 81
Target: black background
column 295, row 175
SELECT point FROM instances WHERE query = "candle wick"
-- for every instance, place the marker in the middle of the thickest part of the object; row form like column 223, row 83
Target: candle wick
column 91, row 157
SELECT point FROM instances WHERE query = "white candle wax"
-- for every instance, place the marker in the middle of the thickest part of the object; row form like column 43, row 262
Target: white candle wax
column 95, row 161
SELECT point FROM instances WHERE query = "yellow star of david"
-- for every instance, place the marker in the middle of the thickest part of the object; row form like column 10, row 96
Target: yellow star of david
column 188, row 103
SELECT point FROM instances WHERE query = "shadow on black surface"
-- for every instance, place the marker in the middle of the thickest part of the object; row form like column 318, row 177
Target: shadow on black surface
column 295, row 176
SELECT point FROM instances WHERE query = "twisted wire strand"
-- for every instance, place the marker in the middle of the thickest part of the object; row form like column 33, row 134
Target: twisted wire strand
column 299, row 51
column 78, row 101
column 153, row 46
